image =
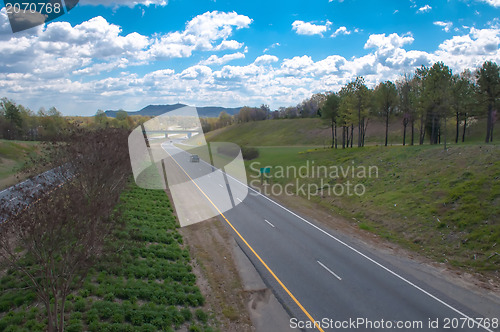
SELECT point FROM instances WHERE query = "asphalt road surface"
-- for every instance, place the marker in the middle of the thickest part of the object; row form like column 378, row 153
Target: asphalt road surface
column 322, row 278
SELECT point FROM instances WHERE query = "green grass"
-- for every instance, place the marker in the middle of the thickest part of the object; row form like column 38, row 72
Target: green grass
column 443, row 204
column 16, row 150
column 147, row 285
column 274, row 133
column 13, row 154
column 316, row 132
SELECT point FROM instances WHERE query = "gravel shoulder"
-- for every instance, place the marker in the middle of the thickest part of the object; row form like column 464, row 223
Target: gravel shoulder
column 234, row 290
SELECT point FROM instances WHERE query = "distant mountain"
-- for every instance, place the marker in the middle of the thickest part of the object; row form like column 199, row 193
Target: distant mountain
column 155, row 110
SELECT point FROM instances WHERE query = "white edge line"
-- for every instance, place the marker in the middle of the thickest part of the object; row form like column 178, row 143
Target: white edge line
column 326, row 268
column 269, row 223
column 363, row 255
column 373, row 261
column 239, row 200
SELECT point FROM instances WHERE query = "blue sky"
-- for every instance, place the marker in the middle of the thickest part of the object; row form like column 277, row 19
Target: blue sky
column 108, row 54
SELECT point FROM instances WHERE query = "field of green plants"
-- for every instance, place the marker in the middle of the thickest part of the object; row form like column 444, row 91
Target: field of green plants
column 145, row 284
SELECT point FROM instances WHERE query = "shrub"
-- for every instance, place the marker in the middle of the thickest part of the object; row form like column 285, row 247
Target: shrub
column 147, row 328
column 95, row 326
column 109, row 297
column 92, row 316
column 74, row 326
column 232, row 150
column 201, row 315
column 79, row 304
column 33, row 325
column 187, row 314
column 249, row 153
column 117, row 318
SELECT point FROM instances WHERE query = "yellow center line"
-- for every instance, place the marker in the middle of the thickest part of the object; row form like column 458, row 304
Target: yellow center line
column 251, row 249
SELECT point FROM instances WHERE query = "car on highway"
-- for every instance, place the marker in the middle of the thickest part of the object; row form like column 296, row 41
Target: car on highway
column 194, row 158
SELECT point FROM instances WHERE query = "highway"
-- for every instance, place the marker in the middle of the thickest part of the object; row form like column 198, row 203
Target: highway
column 319, row 276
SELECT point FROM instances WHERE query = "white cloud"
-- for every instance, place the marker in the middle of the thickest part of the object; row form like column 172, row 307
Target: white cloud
column 494, row 23
column 234, row 74
column 329, row 65
column 424, row 9
column 99, row 68
column 229, row 45
column 309, row 29
column 341, row 31
column 265, row 59
column 296, row 65
column 494, row 3
column 445, row 25
column 215, row 60
column 200, row 34
column 68, row 62
column 298, row 77
column 60, row 49
column 196, row 72
column 270, row 47
column 479, row 42
column 386, row 43
column 128, row 3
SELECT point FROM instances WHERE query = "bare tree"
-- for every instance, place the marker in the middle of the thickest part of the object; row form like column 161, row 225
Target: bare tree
column 62, row 232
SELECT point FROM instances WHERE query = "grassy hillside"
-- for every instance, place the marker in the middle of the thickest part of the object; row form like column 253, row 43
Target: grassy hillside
column 274, row 133
column 316, row 132
column 444, row 204
column 12, row 156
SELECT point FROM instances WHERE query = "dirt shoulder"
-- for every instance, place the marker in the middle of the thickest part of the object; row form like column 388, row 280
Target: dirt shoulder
column 234, row 291
column 216, row 274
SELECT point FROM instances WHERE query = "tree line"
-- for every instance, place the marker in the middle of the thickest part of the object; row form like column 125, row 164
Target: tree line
column 18, row 122
column 308, row 108
column 424, row 100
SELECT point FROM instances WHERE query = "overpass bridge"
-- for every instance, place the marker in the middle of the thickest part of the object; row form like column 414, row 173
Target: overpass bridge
column 167, row 132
